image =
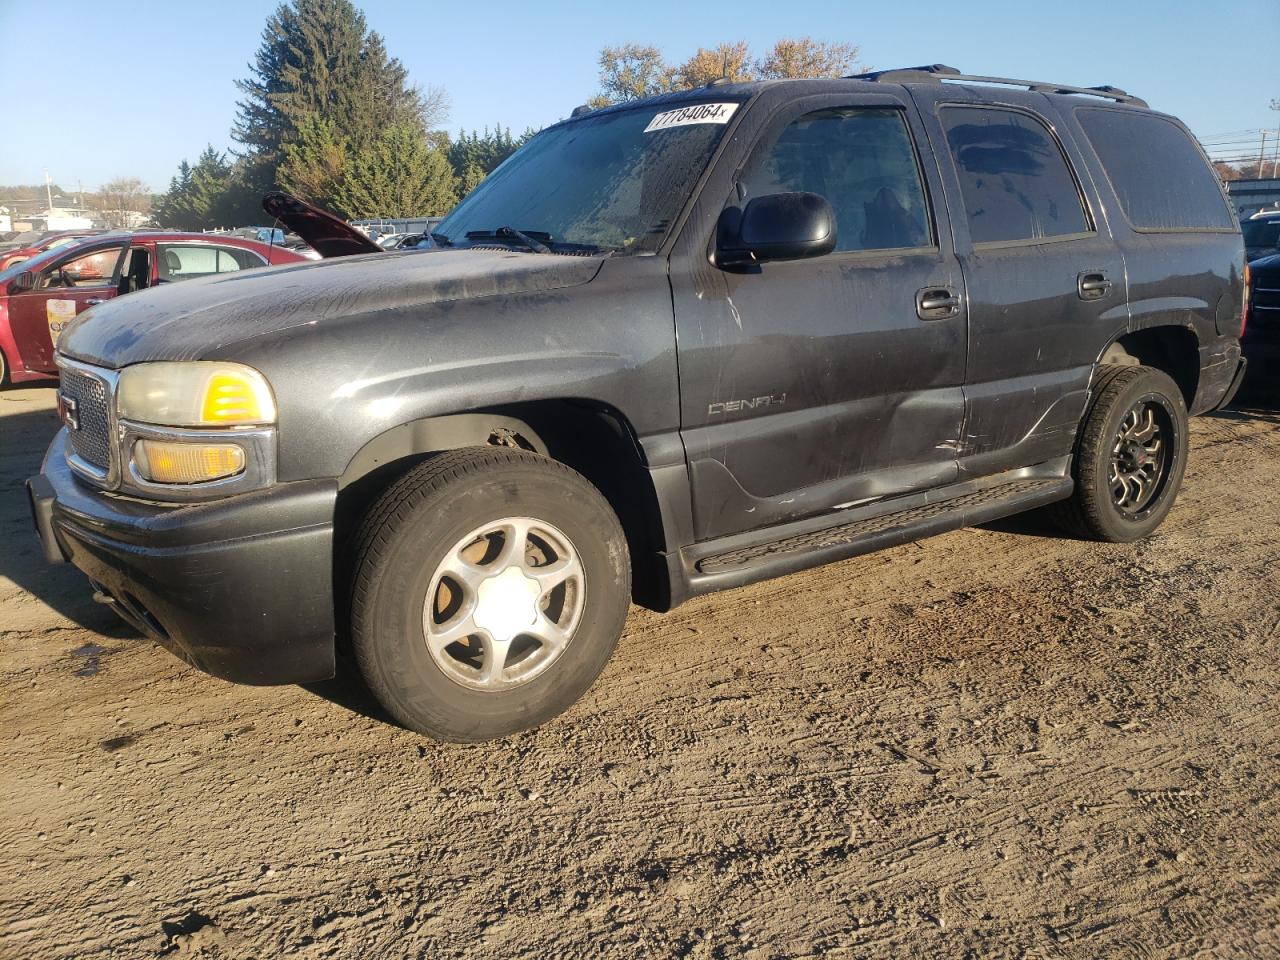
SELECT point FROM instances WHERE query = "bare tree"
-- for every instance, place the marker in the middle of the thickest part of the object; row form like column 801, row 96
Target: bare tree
column 436, row 105
column 123, row 200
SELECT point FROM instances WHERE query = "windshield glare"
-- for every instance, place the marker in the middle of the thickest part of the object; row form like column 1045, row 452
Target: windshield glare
column 600, row 183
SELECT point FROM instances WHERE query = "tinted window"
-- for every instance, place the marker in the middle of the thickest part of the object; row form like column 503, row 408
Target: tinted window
column 1261, row 233
column 1159, row 174
column 1014, row 180
column 863, row 163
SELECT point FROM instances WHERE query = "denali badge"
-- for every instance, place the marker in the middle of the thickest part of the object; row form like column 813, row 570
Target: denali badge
column 755, row 403
column 68, row 411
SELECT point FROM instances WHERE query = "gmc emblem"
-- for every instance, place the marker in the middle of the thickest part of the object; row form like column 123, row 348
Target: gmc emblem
column 68, row 411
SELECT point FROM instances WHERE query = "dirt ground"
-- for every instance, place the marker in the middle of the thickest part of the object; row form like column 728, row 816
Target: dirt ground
column 996, row 743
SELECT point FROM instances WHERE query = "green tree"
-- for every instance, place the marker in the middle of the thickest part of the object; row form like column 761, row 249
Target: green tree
column 315, row 162
column 197, row 198
column 471, row 178
column 398, row 174
column 318, row 60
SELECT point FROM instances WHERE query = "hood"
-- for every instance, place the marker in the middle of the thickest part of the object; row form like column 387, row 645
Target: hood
column 195, row 319
column 327, row 235
column 1265, row 265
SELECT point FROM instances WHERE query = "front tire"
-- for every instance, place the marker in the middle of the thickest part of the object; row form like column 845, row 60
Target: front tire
column 490, row 588
column 1130, row 457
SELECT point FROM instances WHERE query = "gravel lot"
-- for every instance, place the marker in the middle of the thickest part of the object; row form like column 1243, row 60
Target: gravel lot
column 995, row 743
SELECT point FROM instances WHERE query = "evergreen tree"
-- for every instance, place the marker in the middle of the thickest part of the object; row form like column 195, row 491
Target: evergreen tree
column 196, row 198
column 483, row 152
column 315, row 162
column 399, row 174
column 319, row 60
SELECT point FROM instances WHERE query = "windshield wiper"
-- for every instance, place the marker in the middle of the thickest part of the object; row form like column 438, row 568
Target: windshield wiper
column 511, row 233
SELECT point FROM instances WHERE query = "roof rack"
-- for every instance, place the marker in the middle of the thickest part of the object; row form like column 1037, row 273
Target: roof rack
column 937, row 72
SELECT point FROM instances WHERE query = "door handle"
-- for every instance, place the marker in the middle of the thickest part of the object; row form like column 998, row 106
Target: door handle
column 937, row 303
column 1092, row 285
column 93, row 302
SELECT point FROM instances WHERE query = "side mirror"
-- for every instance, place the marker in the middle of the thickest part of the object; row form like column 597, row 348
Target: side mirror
column 23, row 282
column 779, row 226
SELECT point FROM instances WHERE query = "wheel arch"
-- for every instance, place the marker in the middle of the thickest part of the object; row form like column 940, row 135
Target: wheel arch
column 1175, row 350
column 595, row 439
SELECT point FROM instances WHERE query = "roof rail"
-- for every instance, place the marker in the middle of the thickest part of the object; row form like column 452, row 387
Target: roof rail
column 938, row 72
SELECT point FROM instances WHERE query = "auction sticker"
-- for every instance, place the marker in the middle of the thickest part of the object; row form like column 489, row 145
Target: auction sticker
column 59, row 313
column 686, row 116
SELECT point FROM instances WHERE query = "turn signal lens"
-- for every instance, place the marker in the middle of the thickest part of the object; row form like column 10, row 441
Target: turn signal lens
column 233, row 397
column 195, row 394
column 1248, row 293
column 163, row 462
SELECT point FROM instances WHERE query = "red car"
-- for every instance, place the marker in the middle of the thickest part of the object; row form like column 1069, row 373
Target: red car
column 47, row 242
column 38, row 297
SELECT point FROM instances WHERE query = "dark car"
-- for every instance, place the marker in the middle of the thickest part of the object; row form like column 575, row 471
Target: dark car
column 1262, row 330
column 669, row 347
column 1261, row 236
column 39, row 296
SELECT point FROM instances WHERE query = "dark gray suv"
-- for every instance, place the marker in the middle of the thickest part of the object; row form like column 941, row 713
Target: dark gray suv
column 669, row 347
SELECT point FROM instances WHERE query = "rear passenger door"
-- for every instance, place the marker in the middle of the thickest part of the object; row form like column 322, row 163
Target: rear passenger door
column 1045, row 281
column 810, row 385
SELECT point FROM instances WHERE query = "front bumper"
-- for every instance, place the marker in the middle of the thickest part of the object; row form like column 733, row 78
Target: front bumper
column 241, row 588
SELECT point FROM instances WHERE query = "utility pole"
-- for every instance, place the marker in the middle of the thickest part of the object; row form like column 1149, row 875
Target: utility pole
column 48, row 193
column 1275, row 164
column 1262, row 154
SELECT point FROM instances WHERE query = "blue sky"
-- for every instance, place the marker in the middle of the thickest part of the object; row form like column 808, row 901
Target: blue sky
column 96, row 90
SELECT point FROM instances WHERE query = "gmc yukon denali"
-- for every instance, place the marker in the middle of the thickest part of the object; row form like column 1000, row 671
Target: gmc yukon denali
column 669, row 347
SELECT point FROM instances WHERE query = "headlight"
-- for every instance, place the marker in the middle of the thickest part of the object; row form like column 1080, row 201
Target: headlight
column 198, row 393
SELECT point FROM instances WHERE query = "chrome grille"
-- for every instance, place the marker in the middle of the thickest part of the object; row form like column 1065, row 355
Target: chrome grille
column 92, row 442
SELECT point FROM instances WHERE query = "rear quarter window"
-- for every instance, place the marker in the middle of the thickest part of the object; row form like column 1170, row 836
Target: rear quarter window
column 1160, row 177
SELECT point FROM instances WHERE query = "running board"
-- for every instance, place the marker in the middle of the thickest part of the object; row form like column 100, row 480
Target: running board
column 764, row 554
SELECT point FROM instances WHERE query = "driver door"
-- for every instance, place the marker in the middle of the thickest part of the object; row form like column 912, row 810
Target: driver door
column 812, row 385
column 63, row 289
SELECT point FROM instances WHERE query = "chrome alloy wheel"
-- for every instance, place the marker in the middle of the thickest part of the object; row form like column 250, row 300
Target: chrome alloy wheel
column 1141, row 457
column 504, row 603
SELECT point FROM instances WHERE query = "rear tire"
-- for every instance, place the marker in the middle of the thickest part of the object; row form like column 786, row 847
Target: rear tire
column 490, row 588
column 1130, row 457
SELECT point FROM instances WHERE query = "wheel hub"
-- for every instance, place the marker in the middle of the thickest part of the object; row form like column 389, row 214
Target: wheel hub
column 506, row 604
column 1141, row 458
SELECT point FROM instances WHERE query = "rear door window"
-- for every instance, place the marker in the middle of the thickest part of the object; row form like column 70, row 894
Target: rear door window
column 189, row 262
column 1159, row 175
column 1014, row 179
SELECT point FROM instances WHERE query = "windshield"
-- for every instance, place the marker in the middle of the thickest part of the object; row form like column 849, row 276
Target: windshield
column 608, row 183
column 1261, row 233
